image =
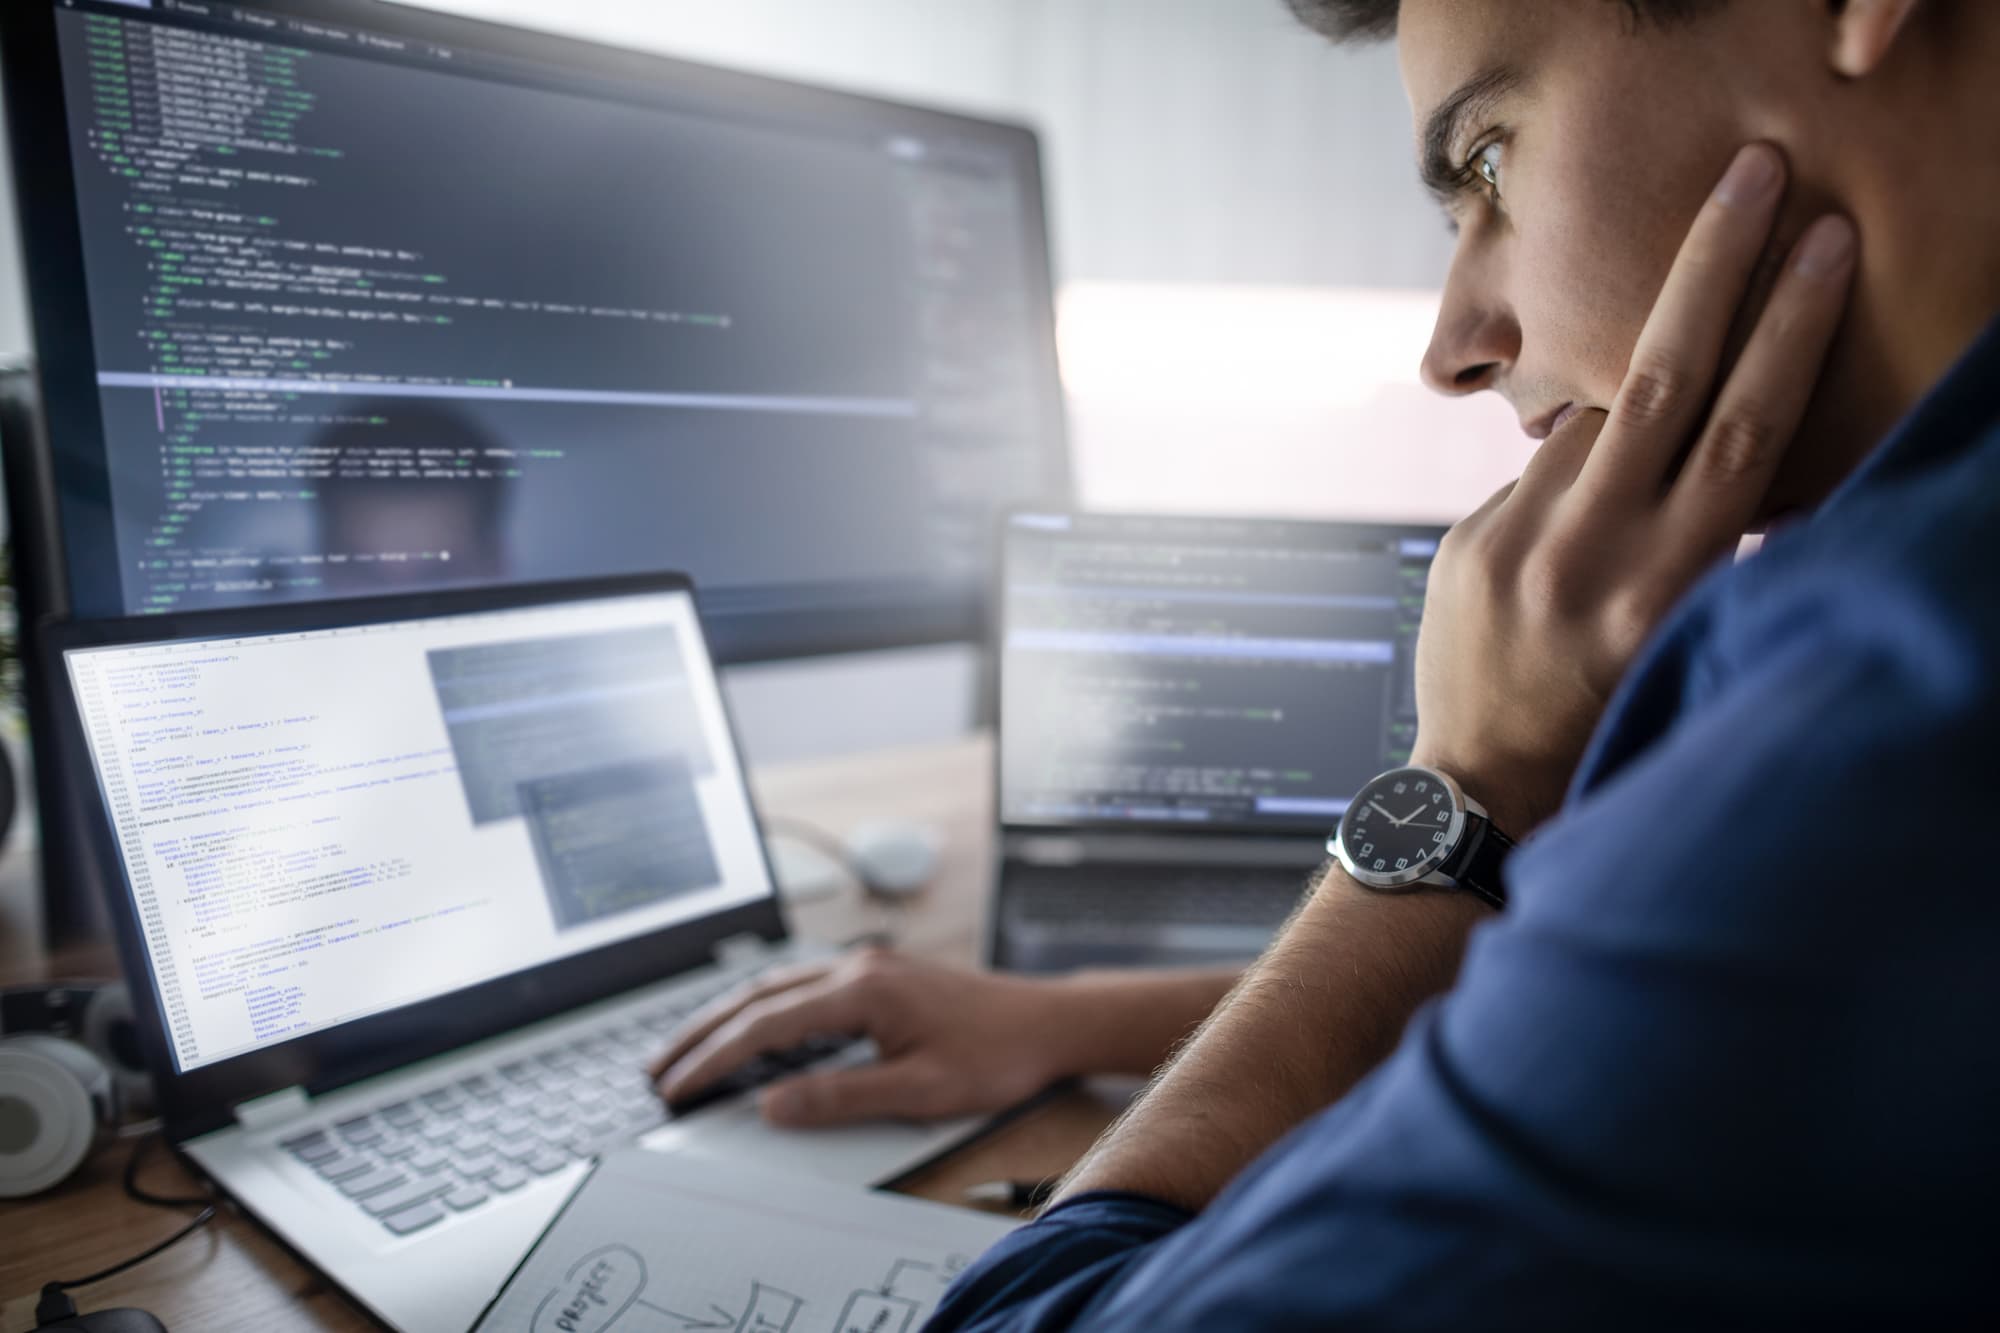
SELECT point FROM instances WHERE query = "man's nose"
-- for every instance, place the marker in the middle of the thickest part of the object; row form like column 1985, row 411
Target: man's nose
column 1475, row 340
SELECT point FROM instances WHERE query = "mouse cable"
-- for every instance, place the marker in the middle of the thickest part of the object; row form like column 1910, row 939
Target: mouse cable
column 832, row 848
column 55, row 1304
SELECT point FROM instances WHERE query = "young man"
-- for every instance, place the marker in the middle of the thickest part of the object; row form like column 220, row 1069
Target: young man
column 1724, row 1060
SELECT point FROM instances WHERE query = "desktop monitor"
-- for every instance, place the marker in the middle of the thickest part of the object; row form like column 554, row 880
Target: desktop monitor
column 336, row 298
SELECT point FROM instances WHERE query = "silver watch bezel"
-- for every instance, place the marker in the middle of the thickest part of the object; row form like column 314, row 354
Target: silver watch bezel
column 1418, row 875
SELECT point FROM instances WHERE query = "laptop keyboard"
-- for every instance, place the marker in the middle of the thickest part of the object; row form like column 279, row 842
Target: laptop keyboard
column 412, row 1162
column 1109, row 898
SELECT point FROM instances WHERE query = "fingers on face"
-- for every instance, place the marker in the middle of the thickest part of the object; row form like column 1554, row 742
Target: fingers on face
column 1559, row 460
column 712, row 1016
column 1674, row 363
column 775, row 1024
column 1760, row 407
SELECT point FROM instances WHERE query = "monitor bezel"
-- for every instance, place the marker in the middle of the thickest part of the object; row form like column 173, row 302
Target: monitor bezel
column 202, row 1099
column 1162, row 525
column 82, row 531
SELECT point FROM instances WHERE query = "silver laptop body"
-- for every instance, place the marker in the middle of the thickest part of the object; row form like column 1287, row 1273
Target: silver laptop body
column 409, row 889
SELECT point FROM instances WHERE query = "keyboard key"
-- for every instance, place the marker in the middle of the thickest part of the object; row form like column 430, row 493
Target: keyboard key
column 460, row 1161
column 547, row 1163
column 359, row 1129
column 520, row 1150
column 485, row 1113
column 479, row 1087
column 403, row 1115
column 426, row 1159
column 507, row 1178
column 639, row 1119
column 393, row 1146
column 403, row 1195
column 466, row 1196
column 413, row 1219
column 512, row 1127
column 371, row 1181
column 345, row 1165
column 313, row 1148
column 473, row 1168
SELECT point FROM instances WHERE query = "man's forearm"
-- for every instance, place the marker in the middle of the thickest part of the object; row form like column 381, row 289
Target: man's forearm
column 1322, row 1008
column 1128, row 1022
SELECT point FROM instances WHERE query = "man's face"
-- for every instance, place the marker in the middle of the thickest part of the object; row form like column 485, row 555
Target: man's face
column 1573, row 179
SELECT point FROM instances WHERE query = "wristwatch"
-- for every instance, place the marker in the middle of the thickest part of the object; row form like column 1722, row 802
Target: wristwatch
column 1413, row 827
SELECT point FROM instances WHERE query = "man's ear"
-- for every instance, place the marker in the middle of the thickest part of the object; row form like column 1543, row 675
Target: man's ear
column 1863, row 32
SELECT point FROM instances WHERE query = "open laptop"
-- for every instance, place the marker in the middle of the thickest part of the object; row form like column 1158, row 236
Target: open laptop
column 1186, row 705
column 408, row 889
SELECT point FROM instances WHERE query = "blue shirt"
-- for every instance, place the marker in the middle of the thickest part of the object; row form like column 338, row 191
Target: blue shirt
column 1731, row 1058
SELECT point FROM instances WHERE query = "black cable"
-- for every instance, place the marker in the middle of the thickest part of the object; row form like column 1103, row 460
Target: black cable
column 56, row 1305
column 143, row 1195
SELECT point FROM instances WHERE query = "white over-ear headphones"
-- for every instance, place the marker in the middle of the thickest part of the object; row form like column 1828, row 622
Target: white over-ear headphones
column 68, row 1066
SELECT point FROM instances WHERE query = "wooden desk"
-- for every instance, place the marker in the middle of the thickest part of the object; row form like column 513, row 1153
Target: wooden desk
column 233, row 1275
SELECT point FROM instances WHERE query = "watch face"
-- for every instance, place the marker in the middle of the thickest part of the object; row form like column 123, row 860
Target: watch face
column 1404, row 825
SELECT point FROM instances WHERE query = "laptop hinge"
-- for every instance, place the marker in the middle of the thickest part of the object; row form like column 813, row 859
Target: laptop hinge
column 740, row 950
column 274, row 1109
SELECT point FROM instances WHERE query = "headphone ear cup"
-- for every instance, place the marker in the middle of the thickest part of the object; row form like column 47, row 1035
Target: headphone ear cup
column 113, row 1037
column 53, row 1096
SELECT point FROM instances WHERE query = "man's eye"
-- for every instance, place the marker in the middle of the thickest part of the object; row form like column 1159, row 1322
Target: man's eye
column 1486, row 166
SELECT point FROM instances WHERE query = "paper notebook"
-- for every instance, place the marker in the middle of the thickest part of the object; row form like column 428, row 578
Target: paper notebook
column 675, row 1243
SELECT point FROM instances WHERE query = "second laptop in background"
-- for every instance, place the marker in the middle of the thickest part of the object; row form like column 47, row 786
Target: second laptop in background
column 1186, row 705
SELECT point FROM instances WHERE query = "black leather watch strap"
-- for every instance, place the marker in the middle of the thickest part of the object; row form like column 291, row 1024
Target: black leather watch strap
column 1478, row 870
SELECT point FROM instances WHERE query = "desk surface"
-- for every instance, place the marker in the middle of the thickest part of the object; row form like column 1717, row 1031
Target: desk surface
column 233, row 1275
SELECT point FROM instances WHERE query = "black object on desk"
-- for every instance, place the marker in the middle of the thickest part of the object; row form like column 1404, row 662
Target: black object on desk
column 108, row 1321
column 1017, row 1194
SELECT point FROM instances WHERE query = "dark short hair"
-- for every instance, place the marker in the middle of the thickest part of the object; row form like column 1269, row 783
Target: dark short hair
column 1375, row 20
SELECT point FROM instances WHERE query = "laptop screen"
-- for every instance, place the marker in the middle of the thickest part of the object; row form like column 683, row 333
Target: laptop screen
column 1238, row 673
column 319, row 826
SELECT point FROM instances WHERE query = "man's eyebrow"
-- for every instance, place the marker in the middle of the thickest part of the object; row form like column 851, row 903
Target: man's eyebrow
column 1442, row 173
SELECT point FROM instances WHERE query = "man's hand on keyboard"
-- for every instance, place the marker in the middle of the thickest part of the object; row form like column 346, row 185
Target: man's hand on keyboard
column 951, row 1041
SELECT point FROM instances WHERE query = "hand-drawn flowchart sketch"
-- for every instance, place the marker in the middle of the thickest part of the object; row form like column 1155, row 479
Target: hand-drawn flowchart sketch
column 670, row 1243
